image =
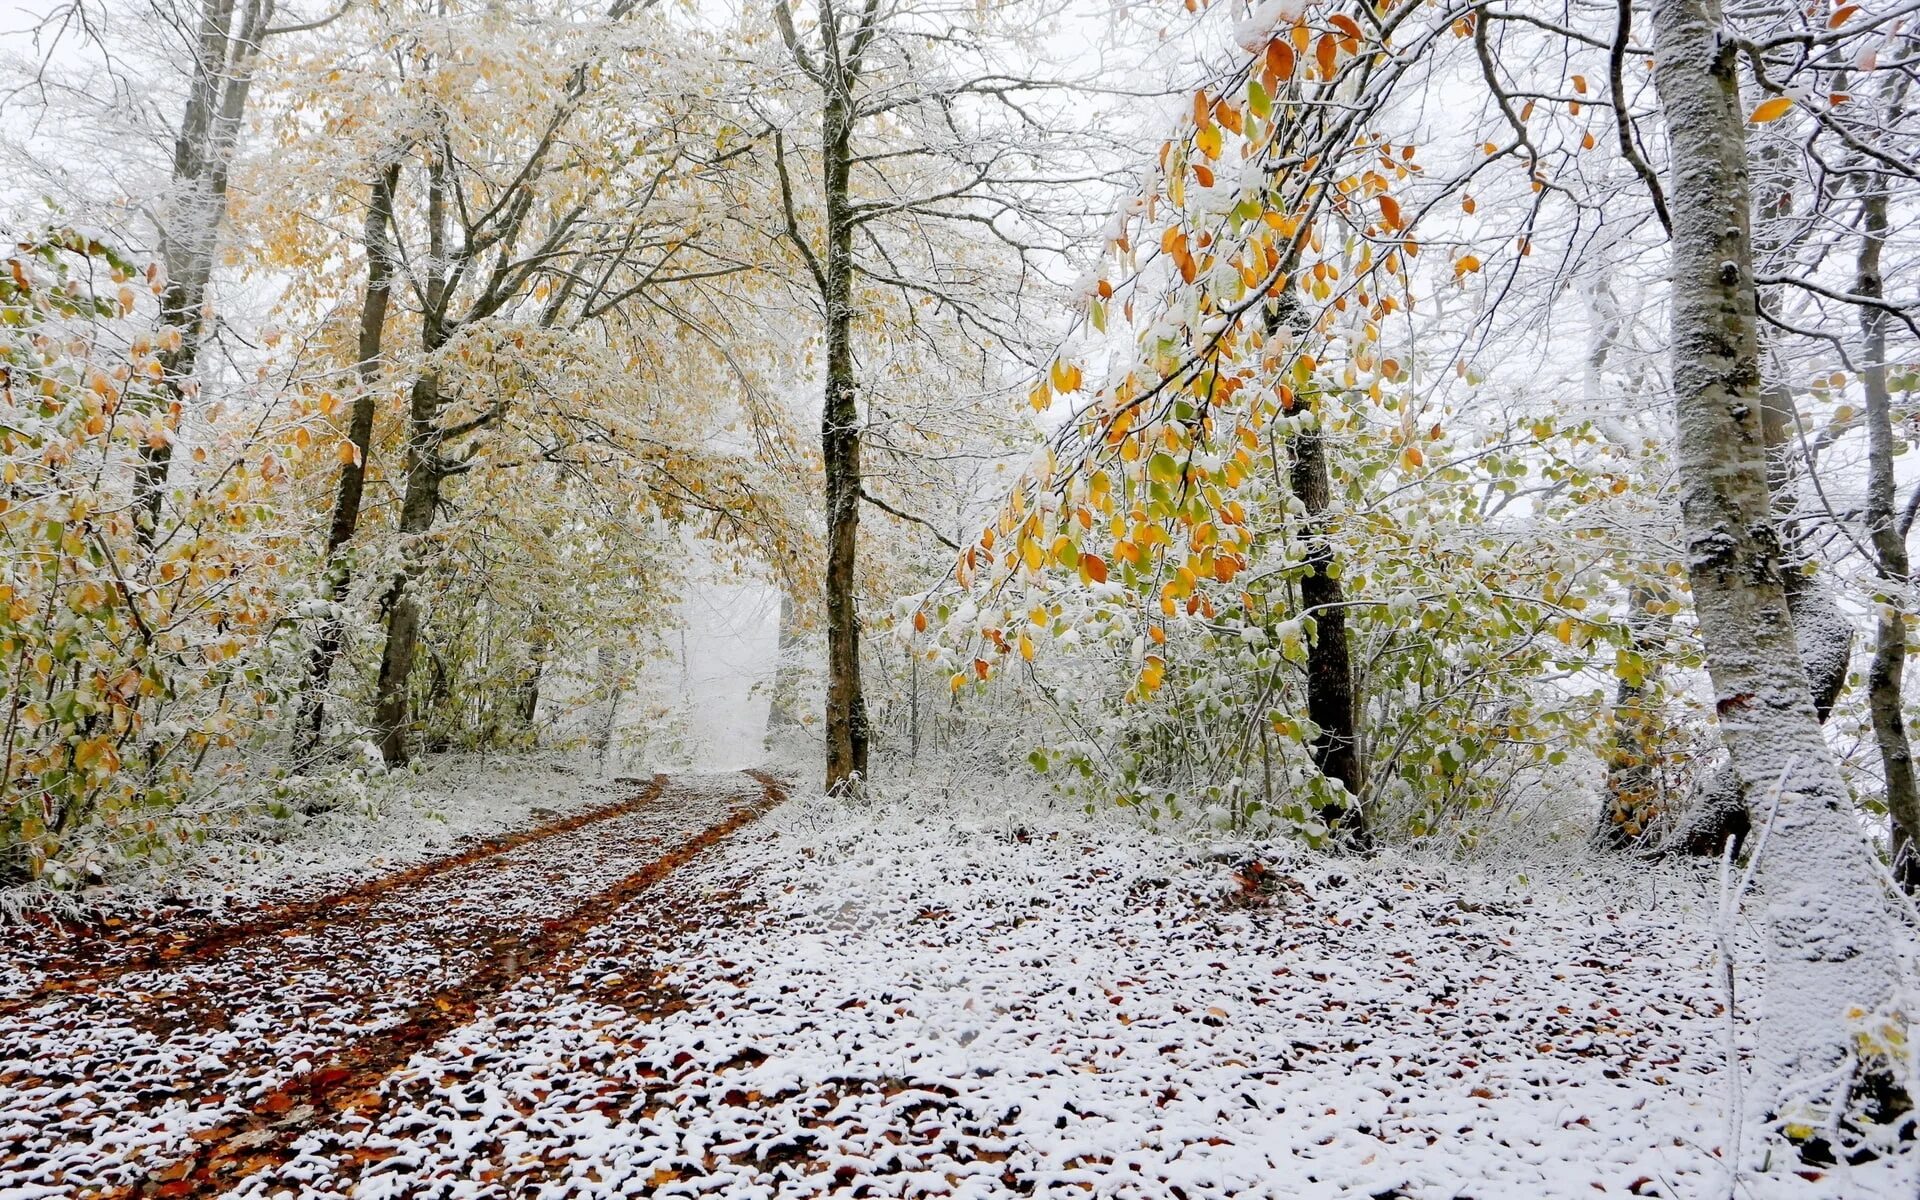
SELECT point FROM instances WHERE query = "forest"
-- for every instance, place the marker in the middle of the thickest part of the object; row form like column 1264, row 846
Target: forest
column 1130, row 598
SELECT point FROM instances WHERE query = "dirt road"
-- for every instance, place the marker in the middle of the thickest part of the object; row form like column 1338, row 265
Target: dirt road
column 186, row 1066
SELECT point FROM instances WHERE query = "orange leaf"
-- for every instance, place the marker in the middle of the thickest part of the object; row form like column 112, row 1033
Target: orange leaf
column 1841, row 15
column 1390, row 209
column 1771, row 110
column 1280, row 59
column 1325, row 52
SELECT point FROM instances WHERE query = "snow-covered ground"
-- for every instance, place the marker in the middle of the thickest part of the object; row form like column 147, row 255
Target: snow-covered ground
column 985, row 999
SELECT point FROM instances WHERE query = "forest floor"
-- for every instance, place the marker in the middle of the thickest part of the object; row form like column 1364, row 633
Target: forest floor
column 694, row 990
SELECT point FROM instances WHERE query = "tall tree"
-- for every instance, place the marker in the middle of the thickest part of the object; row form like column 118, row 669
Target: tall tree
column 1831, row 935
column 1888, row 531
column 913, row 190
column 834, row 63
column 351, row 488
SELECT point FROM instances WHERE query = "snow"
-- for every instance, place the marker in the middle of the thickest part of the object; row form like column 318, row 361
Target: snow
column 996, row 998
column 111, row 1074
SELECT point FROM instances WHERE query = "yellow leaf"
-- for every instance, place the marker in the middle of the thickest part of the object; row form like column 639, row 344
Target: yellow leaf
column 1771, row 110
column 1466, row 264
column 1032, row 554
column 1026, row 647
column 1207, row 138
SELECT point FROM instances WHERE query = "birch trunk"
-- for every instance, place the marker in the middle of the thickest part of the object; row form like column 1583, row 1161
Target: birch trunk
column 1831, row 935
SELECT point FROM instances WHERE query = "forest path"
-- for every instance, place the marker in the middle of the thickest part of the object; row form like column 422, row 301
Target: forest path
column 182, row 1066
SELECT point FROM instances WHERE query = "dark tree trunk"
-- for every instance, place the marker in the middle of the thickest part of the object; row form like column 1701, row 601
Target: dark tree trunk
column 1331, row 703
column 840, row 445
column 1330, row 700
column 426, row 472
column 353, row 474
column 539, row 643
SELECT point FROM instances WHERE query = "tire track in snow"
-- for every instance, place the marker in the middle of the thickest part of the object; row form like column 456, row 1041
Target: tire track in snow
column 71, row 971
column 184, row 1081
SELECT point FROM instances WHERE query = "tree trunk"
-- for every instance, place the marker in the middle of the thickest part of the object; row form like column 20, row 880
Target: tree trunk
column 425, row 475
column 1831, row 934
column 840, row 445
column 610, row 678
column 353, row 473
column 1330, row 703
column 1885, row 674
column 539, row 643
column 1330, row 691
column 783, row 706
column 190, row 223
column 1722, row 809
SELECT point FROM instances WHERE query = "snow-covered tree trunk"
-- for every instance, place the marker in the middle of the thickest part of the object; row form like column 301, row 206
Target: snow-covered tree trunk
column 190, row 218
column 1831, row 933
column 1886, row 672
column 783, row 707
